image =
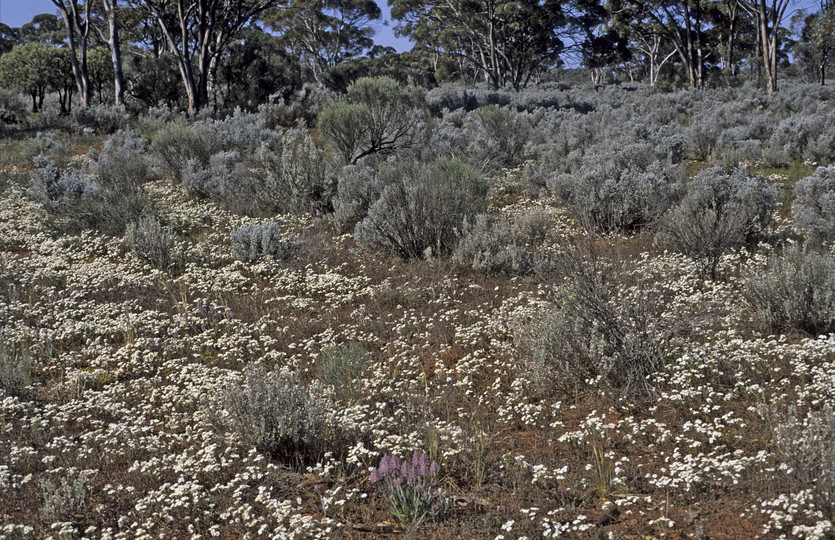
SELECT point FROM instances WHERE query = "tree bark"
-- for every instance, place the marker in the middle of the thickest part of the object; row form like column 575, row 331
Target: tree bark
column 768, row 16
column 78, row 34
column 112, row 40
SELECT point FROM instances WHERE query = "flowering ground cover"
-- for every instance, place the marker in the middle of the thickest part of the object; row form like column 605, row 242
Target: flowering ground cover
column 340, row 393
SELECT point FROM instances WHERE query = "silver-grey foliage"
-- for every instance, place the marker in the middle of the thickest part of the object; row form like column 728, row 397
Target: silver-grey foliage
column 717, row 213
column 814, row 203
column 298, row 179
column 808, row 447
column 619, row 190
column 496, row 245
column 106, row 194
column 795, row 292
column 423, row 210
column 15, row 367
column 599, row 333
column 359, row 186
column 262, row 239
column 150, row 241
column 277, row 414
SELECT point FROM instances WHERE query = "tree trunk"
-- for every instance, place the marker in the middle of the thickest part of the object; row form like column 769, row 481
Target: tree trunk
column 78, row 33
column 768, row 22
column 733, row 16
column 112, row 40
column 700, row 66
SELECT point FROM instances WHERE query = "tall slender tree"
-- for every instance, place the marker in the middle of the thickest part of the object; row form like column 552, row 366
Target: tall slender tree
column 111, row 10
column 324, row 33
column 768, row 14
column 507, row 41
column 197, row 32
column 77, row 22
column 816, row 45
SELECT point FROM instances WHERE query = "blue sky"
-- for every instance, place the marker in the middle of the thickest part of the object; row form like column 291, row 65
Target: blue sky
column 15, row 13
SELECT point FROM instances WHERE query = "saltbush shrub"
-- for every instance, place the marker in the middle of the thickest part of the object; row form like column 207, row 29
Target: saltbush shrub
column 42, row 143
column 598, row 333
column 376, row 115
column 813, row 208
column 15, row 367
column 497, row 245
column 298, row 177
column 105, row 195
column 102, row 118
column 796, row 292
column 150, row 242
column 807, row 446
column 67, row 496
column 278, row 415
column 226, row 181
column 342, row 366
column 421, row 213
column 262, row 239
column 498, row 137
column 241, row 131
column 13, row 108
column 358, row 187
column 717, row 213
column 178, row 144
column 619, row 190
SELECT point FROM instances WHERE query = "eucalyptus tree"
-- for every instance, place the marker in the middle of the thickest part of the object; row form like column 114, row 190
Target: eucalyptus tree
column 9, row 37
column 325, row 33
column 44, row 28
column 507, row 41
column 197, row 32
column 112, row 39
column 77, row 23
column 679, row 22
column 35, row 68
column 768, row 14
column 816, row 45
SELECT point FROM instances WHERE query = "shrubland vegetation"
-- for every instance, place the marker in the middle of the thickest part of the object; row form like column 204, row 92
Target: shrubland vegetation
column 609, row 314
column 351, row 306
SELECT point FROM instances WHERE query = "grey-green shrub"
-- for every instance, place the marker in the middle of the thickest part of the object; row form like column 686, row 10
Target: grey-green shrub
column 598, row 333
column 495, row 245
column 227, row 181
column 15, row 367
column 102, row 118
column 105, row 195
column 42, row 143
column 358, row 187
column 298, row 179
column 376, row 115
column 341, row 366
column 150, row 241
column 501, row 140
column 422, row 212
column 808, row 447
column 67, row 497
column 621, row 190
column 813, row 208
column 13, row 108
column 717, row 213
column 177, row 144
column 795, row 292
column 262, row 239
column 278, row 415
